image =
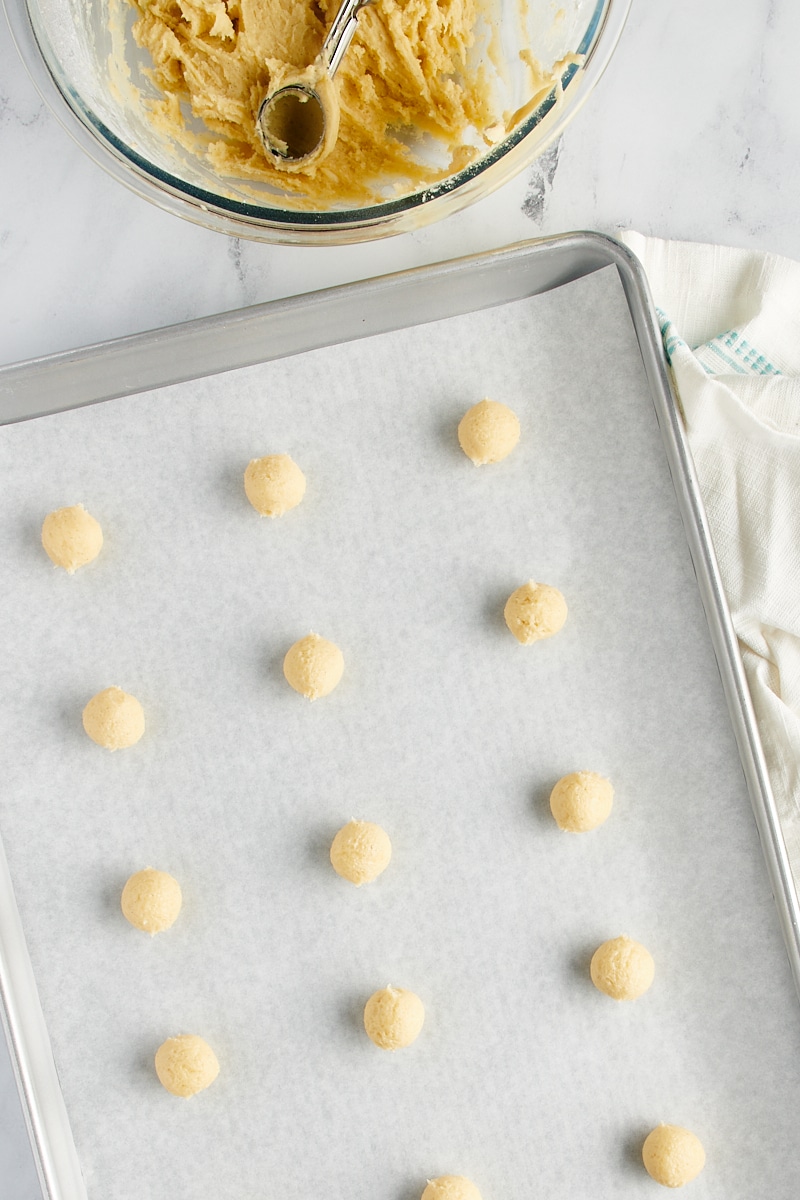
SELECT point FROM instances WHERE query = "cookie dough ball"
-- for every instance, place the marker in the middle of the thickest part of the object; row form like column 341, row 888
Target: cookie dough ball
column 186, row 1065
column 393, row 1018
column 581, row 801
column 673, row 1156
column 360, row 852
column 622, row 968
column 313, row 666
column 71, row 537
column 535, row 611
column 274, row 484
column 488, row 432
column 451, row 1187
column 114, row 719
column 151, row 900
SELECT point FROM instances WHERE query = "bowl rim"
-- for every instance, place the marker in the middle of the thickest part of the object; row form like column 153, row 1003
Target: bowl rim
column 335, row 226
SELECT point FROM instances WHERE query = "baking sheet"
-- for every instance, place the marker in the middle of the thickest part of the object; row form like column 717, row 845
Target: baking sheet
column 444, row 730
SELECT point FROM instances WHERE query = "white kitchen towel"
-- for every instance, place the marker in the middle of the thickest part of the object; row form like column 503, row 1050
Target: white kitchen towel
column 730, row 321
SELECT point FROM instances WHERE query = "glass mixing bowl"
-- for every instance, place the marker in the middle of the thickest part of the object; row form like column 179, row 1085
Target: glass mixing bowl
column 84, row 64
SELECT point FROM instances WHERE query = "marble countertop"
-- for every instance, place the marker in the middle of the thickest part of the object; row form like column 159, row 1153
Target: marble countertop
column 693, row 133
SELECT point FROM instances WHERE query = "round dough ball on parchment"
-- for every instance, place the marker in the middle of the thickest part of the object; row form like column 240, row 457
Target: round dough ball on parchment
column 360, row 852
column 535, row 611
column 673, row 1156
column 313, row 666
column 393, row 1018
column 113, row 719
column 581, row 801
column 622, row 968
column 451, row 1187
column 488, row 432
column 186, row 1065
column 71, row 537
column 274, row 484
column 151, row 900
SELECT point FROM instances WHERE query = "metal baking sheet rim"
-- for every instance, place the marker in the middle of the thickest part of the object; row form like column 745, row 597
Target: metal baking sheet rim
column 279, row 329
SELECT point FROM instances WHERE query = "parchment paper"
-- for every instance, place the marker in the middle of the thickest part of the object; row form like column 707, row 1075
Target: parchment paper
column 444, row 730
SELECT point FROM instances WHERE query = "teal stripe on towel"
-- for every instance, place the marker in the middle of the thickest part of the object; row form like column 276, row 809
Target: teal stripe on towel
column 669, row 335
column 728, row 352
column 732, row 352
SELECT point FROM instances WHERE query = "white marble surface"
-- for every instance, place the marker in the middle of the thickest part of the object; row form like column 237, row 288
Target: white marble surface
column 694, row 132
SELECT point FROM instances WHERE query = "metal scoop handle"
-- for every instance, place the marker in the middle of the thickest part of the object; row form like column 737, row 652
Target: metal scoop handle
column 293, row 151
column 340, row 34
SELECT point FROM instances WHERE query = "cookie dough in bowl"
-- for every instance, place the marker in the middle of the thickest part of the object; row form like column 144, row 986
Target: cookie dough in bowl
column 409, row 68
column 441, row 101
